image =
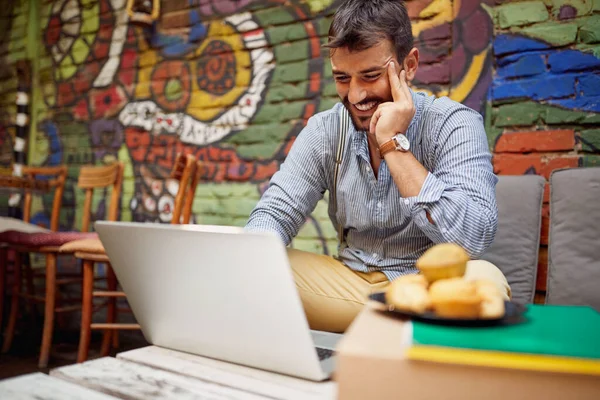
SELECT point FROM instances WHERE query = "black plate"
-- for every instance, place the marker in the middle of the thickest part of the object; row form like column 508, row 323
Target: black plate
column 513, row 315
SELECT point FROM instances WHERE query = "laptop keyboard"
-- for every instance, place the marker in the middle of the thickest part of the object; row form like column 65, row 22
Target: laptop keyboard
column 324, row 353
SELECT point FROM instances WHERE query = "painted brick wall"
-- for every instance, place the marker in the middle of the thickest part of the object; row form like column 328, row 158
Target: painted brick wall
column 233, row 82
column 544, row 102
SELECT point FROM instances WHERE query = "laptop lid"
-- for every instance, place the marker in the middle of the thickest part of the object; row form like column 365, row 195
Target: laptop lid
column 214, row 291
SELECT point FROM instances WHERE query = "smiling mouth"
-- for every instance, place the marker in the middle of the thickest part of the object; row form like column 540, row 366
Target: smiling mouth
column 364, row 107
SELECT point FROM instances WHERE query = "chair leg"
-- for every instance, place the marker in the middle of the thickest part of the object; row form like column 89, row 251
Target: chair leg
column 49, row 310
column 86, row 310
column 3, row 261
column 14, row 305
column 111, row 313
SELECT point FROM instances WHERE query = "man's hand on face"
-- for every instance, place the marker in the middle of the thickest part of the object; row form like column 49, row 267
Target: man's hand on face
column 393, row 117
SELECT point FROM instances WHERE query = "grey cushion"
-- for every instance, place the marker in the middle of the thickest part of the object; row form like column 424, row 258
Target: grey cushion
column 516, row 246
column 574, row 241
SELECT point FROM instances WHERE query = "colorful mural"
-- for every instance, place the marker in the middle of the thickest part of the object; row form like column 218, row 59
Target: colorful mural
column 233, row 82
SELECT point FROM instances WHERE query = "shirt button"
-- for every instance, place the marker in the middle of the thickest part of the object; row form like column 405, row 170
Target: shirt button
column 367, row 169
column 375, row 255
column 379, row 205
column 406, row 201
column 444, row 230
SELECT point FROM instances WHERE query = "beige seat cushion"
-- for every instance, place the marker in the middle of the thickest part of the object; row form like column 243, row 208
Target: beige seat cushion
column 93, row 246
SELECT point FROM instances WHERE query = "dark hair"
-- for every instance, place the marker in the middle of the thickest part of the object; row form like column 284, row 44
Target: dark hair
column 361, row 24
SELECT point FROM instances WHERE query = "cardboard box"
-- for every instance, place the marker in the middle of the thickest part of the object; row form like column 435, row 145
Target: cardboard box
column 372, row 365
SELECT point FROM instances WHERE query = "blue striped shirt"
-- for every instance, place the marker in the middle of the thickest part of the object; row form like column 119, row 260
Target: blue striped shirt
column 383, row 230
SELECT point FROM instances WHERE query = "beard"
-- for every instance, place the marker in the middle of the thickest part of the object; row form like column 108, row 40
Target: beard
column 361, row 123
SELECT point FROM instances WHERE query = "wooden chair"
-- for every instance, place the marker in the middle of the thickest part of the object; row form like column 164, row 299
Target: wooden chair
column 187, row 171
column 56, row 178
column 90, row 178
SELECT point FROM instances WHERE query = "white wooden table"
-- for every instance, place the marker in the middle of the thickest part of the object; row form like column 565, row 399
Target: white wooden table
column 156, row 373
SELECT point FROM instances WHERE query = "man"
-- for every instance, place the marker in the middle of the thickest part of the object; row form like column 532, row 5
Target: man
column 394, row 200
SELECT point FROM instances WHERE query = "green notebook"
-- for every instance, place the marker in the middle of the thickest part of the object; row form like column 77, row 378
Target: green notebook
column 569, row 331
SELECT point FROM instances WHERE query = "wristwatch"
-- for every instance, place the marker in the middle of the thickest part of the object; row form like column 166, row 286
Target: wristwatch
column 399, row 142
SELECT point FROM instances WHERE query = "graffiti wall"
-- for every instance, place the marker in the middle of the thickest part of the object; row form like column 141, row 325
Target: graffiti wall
column 233, row 82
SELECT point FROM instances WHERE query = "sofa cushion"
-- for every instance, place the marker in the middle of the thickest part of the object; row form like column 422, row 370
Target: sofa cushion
column 516, row 246
column 573, row 248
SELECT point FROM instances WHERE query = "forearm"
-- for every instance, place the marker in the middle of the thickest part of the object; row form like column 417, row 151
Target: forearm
column 449, row 213
column 407, row 172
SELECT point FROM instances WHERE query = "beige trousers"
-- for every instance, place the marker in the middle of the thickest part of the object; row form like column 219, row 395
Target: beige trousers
column 333, row 294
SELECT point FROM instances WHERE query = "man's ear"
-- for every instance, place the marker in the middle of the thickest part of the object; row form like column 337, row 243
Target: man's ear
column 411, row 63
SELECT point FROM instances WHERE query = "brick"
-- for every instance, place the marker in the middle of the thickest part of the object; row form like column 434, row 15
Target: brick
column 292, row 72
column 583, row 103
column 590, row 140
column 551, row 32
column 589, row 85
column 523, row 66
column 274, row 16
column 434, row 74
column 289, row 52
column 539, row 298
column 545, row 228
column 175, row 20
column 540, row 164
column 506, row 44
column 542, row 87
column 519, row 114
column 556, row 115
column 571, row 60
column 287, row 33
column 546, row 197
column 590, row 33
column 536, row 141
column 562, row 9
column 590, row 161
column 521, row 13
column 542, row 271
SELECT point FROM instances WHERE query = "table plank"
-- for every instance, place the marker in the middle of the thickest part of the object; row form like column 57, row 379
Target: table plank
column 133, row 381
column 40, row 386
column 237, row 376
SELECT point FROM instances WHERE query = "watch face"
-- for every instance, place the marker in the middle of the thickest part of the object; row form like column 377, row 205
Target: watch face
column 402, row 142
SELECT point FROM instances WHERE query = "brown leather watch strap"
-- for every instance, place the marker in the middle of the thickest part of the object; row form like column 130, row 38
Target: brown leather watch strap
column 387, row 147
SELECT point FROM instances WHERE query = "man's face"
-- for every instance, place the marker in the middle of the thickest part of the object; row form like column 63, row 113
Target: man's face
column 361, row 80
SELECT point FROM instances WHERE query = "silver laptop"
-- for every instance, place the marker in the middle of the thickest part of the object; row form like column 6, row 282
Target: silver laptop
column 217, row 292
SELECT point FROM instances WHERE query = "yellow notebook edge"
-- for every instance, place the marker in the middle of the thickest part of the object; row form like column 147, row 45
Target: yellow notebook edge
column 498, row 359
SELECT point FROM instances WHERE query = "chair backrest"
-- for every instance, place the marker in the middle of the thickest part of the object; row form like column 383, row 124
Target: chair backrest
column 574, row 239
column 56, row 178
column 191, row 193
column 100, row 177
column 515, row 248
column 183, row 171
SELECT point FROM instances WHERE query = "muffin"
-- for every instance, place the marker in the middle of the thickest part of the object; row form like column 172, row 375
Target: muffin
column 413, row 278
column 492, row 303
column 443, row 261
column 408, row 295
column 455, row 298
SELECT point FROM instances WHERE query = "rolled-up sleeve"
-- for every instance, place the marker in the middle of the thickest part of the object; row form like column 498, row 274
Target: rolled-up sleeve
column 295, row 189
column 459, row 192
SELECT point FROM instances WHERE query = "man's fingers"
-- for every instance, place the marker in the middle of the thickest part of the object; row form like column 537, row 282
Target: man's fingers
column 374, row 120
column 395, row 84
